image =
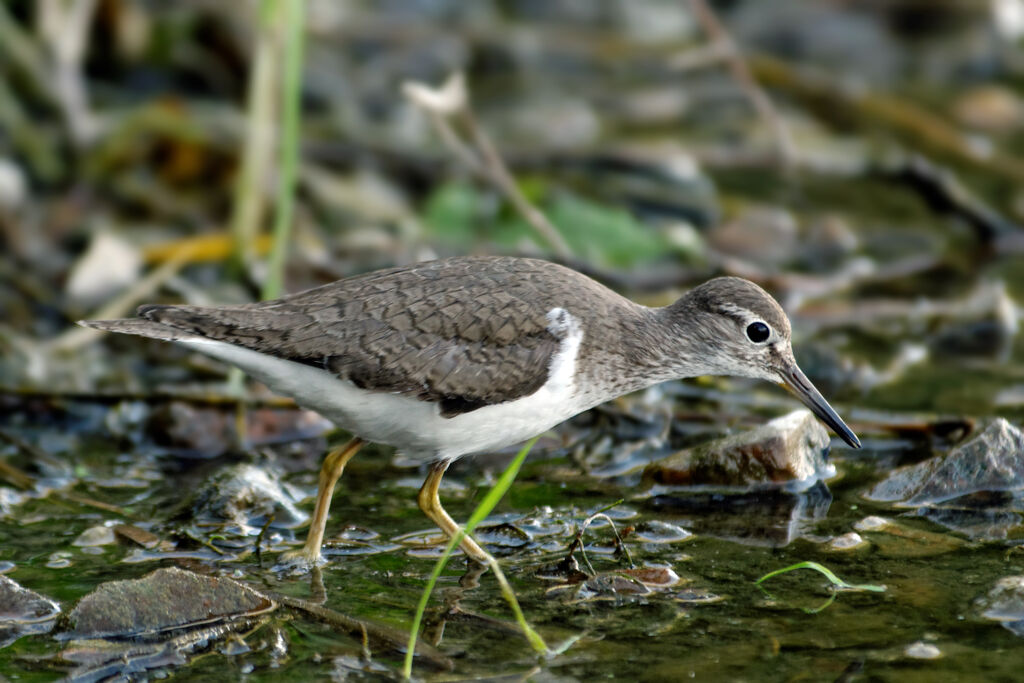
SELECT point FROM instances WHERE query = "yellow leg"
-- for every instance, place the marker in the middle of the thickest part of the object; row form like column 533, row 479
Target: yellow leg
column 330, row 471
column 430, row 503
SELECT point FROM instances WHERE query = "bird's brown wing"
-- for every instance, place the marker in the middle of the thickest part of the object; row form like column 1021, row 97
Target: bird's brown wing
column 464, row 333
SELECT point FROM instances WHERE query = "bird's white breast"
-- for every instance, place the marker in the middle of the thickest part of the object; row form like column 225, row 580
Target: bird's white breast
column 413, row 426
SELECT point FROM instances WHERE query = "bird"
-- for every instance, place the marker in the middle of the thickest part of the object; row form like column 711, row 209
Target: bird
column 452, row 357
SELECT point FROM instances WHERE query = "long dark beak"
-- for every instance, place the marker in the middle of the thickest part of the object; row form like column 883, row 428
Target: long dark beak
column 796, row 381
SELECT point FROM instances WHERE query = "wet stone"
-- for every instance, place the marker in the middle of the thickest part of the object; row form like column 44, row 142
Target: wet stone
column 246, row 496
column 59, row 560
column 95, row 536
column 23, row 612
column 920, row 650
column 162, row 601
column 140, row 537
column 991, row 461
column 1005, row 604
column 850, row 541
column 872, row 523
column 656, row 531
column 984, row 515
column 898, row 539
column 502, row 535
column 619, row 583
column 788, row 450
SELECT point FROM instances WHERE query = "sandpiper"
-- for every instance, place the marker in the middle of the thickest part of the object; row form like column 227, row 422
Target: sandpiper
column 462, row 355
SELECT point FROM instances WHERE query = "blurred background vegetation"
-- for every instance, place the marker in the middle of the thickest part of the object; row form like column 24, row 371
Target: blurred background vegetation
column 824, row 149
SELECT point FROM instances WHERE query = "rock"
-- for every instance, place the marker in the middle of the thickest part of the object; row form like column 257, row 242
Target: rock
column 23, row 612
column 502, row 535
column 897, row 539
column 848, row 541
column 657, row 531
column 986, row 515
column 828, row 241
column 130, row 627
column 95, row 536
column 991, row 461
column 789, row 450
column 1005, row 604
column 619, row 583
column 922, row 650
column 141, row 537
column 246, row 496
column 162, row 601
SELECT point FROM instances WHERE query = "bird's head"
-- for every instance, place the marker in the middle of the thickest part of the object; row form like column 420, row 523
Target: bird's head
column 741, row 330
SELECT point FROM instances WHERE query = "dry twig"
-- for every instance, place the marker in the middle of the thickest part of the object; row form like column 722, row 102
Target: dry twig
column 449, row 105
column 730, row 52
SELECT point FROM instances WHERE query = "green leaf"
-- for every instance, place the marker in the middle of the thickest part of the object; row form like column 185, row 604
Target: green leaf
column 454, row 213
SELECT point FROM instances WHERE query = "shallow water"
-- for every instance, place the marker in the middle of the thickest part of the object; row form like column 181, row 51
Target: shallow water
column 713, row 624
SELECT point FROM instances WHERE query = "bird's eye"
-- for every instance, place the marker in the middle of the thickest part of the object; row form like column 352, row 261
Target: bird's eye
column 758, row 332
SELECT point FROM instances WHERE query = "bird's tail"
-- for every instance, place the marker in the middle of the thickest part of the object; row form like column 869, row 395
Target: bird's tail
column 140, row 327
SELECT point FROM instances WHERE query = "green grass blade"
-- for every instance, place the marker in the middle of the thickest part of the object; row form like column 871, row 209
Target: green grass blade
column 479, row 514
column 295, row 22
column 828, row 574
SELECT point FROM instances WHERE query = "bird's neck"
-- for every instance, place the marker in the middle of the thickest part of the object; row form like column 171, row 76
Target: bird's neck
column 634, row 347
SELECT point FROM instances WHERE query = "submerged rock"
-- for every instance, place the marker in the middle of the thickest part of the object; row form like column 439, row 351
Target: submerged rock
column 162, row 601
column 895, row 538
column 620, row 583
column 986, row 515
column 991, row 461
column 23, row 612
column 1005, row 604
column 246, row 496
column 788, row 450
column 922, row 650
column 846, row 542
column 95, row 536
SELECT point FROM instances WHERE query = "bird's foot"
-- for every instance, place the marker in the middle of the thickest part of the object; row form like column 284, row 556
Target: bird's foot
column 301, row 559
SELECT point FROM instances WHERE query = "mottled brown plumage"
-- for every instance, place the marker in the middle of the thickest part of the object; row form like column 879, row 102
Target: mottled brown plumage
column 463, row 332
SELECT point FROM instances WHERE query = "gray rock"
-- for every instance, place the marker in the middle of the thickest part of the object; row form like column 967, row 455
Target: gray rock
column 246, row 496
column 789, row 451
column 164, row 600
column 993, row 460
column 23, row 612
column 1005, row 604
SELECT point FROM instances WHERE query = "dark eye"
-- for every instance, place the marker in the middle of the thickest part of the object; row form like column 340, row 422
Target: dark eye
column 758, row 332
